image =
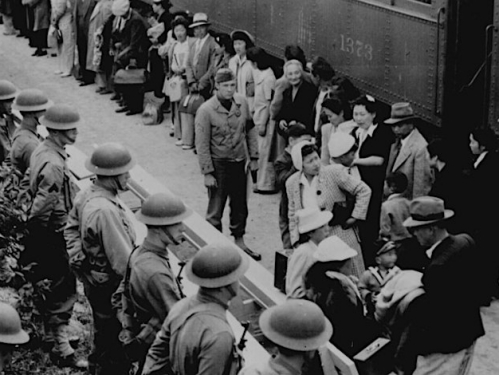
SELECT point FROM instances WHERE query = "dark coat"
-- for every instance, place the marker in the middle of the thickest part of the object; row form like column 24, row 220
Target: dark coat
column 41, row 11
column 284, row 169
column 166, row 20
column 450, row 320
column 135, row 43
column 300, row 109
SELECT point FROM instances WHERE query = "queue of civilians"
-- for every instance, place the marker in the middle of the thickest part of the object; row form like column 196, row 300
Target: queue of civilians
column 384, row 232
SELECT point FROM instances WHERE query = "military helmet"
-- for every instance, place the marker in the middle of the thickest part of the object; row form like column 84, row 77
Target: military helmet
column 217, row 265
column 297, row 325
column 7, row 90
column 31, row 100
column 163, row 209
column 61, row 117
column 110, row 159
column 10, row 326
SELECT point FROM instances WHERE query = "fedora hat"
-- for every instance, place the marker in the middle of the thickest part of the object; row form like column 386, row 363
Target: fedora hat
column 427, row 210
column 217, row 265
column 298, row 325
column 310, row 219
column 333, row 249
column 400, row 112
column 339, row 144
column 60, row 117
column 200, row 19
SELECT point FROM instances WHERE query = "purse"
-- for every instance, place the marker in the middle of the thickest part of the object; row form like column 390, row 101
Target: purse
column 176, row 88
column 190, row 103
column 342, row 212
column 131, row 75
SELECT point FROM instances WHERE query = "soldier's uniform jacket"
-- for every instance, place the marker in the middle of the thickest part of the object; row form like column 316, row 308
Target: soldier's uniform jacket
column 224, row 135
column 194, row 339
column 274, row 366
column 100, row 235
column 51, row 186
column 7, row 130
column 25, row 141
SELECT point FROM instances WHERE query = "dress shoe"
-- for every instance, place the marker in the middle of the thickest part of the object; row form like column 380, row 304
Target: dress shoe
column 115, row 97
column 64, row 75
column 187, row 147
column 122, row 110
column 240, row 242
column 99, row 89
column 105, row 92
column 85, row 83
column 131, row 113
column 42, row 53
column 36, row 53
column 57, row 72
column 178, row 143
column 68, row 361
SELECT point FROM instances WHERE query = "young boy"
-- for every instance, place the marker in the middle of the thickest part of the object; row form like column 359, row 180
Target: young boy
column 374, row 278
column 343, row 149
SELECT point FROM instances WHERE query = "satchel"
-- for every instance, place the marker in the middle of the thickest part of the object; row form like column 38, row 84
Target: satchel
column 190, row 103
column 342, row 211
column 176, row 88
column 131, row 75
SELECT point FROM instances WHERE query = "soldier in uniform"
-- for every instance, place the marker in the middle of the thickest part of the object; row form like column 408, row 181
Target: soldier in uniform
column 151, row 288
column 298, row 328
column 196, row 337
column 101, row 237
column 53, row 191
column 226, row 143
column 8, row 121
column 11, row 334
column 32, row 103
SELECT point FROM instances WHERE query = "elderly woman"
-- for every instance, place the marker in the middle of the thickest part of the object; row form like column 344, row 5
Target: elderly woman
column 372, row 156
column 334, row 111
column 264, row 89
column 324, row 187
column 298, row 99
column 241, row 66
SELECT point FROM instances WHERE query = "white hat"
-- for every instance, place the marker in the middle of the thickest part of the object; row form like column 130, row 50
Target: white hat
column 310, row 219
column 200, row 19
column 296, row 154
column 333, row 249
column 340, row 143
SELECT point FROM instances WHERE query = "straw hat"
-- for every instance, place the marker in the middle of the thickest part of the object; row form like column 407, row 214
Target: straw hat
column 340, row 143
column 200, row 19
column 310, row 219
column 333, row 249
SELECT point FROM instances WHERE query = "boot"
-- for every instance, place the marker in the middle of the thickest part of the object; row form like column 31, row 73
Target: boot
column 240, row 242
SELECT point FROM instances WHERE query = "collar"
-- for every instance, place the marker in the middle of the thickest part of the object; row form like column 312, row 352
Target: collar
column 105, row 193
column 480, row 158
column 201, row 41
column 304, row 180
column 29, row 123
column 430, row 251
column 278, row 362
column 369, row 132
column 220, row 108
column 394, row 196
column 60, row 150
column 203, row 297
column 161, row 251
column 403, row 141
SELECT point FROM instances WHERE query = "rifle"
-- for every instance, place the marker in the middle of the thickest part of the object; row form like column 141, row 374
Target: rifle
column 242, row 342
column 179, row 278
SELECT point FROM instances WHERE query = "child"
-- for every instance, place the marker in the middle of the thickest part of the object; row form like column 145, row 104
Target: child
column 343, row 149
column 313, row 228
column 374, row 278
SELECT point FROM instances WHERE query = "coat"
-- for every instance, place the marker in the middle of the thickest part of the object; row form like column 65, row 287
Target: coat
column 100, row 14
column 394, row 211
column 200, row 73
column 41, row 12
column 244, row 78
column 135, row 43
column 450, row 320
column 413, row 160
column 333, row 184
column 264, row 91
column 82, row 11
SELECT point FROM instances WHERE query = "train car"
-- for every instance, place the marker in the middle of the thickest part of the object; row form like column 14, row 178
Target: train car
column 434, row 54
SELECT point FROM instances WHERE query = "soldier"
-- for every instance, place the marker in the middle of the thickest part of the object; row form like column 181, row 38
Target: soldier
column 8, row 121
column 11, row 334
column 32, row 103
column 196, row 337
column 101, row 237
column 298, row 328
column 226, row 143
column 152, row 288
column 53, row 191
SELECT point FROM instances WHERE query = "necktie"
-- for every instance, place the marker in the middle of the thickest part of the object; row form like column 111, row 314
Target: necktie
column 398, row 147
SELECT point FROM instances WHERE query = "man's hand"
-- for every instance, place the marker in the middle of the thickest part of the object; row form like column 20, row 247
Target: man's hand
column 262, row 130
column 283, row 125
column 194, row 87
column 210, row 181
column 349, row 223
column 253, row 165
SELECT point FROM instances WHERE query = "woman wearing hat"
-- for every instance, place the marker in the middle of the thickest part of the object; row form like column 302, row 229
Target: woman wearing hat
column 298, row 329
column 327, row 284
column 224, row 53
column 334, row 111
column 241, row 66
column 313, row 228
column 325, row 187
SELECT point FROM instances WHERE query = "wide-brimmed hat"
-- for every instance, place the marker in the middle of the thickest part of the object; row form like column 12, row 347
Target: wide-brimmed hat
column 61, row 117
column 427, row 210
column 7, row 90
column 31, row 100
column 298, row 325
column 217, row 265
column 296, row 154
column 333, row 249
column 339, row 144
column 310, row 219
column 200, row 19
column 244, row 36
column 400, row 112
column 163, row 209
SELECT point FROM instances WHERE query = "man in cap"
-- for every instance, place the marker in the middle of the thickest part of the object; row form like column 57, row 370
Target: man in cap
column 225, row 139
column 101, row 237
column 8, row 120
column 201, row 57
column 408, row 154
column 52, row 190
column 32, row 103
column 11, row 334
column 196, row 337
column 151, row 288
column 449, row 322
column 298, row 328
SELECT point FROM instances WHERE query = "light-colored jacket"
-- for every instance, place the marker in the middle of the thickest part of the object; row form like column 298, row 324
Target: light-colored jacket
column 327, row 130
column 394, row 211
column 264, row 91
column 243, row 71
column 100, row 15
column 298, row 265
column 200, row 72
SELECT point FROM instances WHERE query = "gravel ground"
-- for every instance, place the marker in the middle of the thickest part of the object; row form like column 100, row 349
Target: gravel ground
column 173, row 167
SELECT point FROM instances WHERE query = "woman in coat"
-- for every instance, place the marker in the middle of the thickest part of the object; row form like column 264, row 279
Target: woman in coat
column 62, row 20
column 41, row 12
column 242, row 67
column 100, row 15
column 322, row 187
column 264, row 89
column 298, row 99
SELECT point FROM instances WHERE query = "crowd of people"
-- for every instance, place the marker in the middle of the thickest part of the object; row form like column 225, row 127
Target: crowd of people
column 380, row 225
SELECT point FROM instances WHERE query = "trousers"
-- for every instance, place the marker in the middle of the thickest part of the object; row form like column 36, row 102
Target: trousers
column 231, row 184
column 66, row 51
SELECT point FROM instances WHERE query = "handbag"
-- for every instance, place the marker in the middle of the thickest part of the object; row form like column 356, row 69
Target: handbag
column 131, row 75
column 190, row 103
column 342, row 212
column 176, row 88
